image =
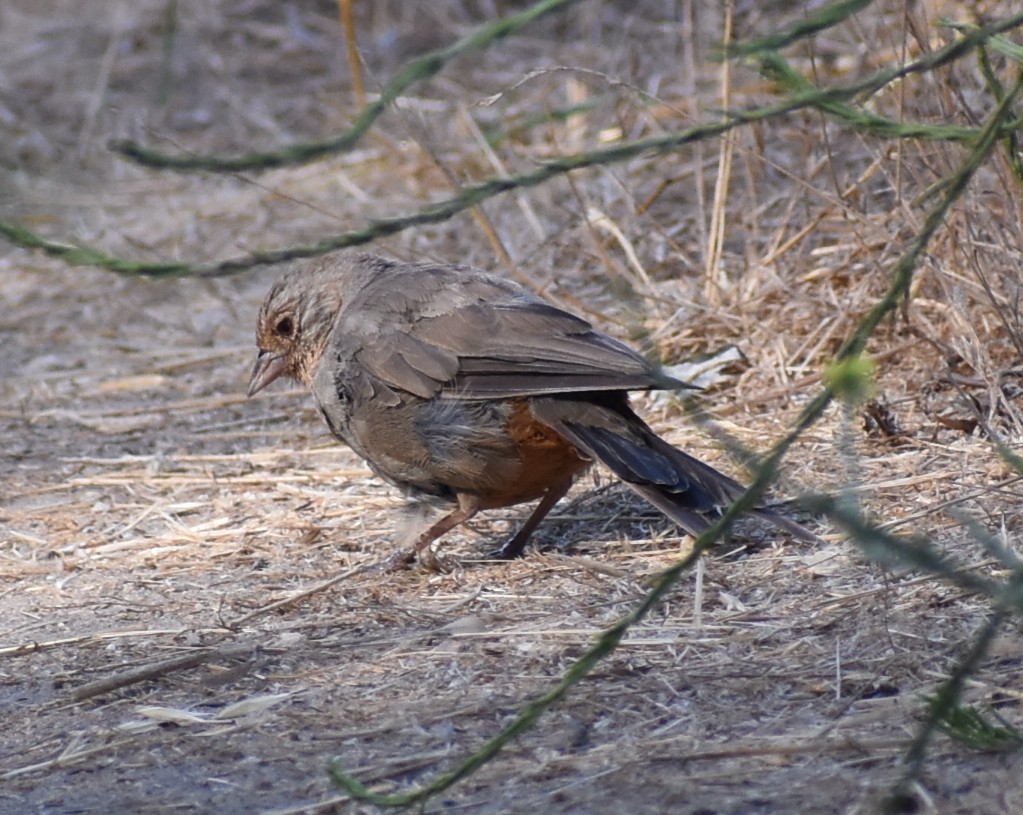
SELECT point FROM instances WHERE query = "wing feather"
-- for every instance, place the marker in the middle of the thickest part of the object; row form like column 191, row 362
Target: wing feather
column 457, row 333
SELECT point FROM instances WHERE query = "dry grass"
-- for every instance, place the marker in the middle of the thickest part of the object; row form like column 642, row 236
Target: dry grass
column 181, row 629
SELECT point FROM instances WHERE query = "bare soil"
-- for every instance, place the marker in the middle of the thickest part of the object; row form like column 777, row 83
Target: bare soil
column 180, row 630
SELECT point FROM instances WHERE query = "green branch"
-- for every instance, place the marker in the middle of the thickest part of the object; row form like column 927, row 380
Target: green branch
column 898, row 551
column 419, row 69
column 84, row 256
column 946, row 700
column 777, row 69
column 820, row 20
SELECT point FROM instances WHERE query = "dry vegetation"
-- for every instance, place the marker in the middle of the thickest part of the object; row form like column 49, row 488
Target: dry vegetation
column 178, row 630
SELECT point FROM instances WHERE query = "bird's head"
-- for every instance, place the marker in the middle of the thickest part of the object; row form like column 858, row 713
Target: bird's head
column 294, row 326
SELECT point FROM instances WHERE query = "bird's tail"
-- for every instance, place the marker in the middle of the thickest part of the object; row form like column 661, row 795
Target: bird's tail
column 685, row 489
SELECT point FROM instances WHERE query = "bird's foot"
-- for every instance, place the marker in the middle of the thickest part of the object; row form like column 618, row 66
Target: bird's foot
column 511, row 549
column 432, row 561
column 428, row 560
column 398, row 561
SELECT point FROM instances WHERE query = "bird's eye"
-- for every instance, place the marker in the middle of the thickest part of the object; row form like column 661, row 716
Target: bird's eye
column 285, row 327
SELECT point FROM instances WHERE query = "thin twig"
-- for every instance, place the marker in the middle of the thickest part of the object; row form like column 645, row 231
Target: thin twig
column 291, row 599
column 155, row 670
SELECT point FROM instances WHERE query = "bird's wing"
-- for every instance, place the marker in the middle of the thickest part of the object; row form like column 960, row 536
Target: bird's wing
column 489, row 339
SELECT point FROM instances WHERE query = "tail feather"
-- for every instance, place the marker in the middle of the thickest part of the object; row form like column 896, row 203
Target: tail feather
column 685, row 489
column 693, row 522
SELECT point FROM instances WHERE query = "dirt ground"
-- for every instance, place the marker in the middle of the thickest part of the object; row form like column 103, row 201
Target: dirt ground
column 179, row 631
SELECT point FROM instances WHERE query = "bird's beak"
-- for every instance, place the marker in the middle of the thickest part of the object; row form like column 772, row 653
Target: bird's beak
column 267, row 368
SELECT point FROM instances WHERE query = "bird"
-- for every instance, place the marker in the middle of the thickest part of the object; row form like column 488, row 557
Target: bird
column 469, row 391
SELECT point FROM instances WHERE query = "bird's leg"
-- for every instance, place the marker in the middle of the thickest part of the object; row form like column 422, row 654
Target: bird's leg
column 513, row 548
column 468, row 505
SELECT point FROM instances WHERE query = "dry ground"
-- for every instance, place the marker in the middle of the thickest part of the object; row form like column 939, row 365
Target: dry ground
column 149, row 512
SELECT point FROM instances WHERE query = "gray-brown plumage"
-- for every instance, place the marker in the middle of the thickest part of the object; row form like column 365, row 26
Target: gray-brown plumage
column 460, row 387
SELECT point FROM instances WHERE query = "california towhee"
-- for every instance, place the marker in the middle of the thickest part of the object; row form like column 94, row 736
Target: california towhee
column 463, row 388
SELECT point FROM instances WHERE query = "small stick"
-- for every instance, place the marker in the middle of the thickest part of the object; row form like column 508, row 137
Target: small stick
column 294, row 598
column 154, row 670
column 354, row 62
